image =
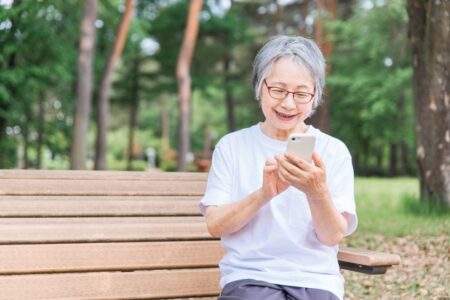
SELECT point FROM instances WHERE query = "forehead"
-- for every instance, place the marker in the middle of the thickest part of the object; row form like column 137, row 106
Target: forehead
column 289, row 72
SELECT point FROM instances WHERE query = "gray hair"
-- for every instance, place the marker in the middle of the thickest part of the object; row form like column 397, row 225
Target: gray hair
column 303, row 51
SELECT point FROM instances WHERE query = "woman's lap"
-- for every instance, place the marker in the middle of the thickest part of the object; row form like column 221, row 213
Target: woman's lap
column 249, row 289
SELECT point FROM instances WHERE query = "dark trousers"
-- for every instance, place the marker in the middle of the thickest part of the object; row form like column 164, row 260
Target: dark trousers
column 249, row 289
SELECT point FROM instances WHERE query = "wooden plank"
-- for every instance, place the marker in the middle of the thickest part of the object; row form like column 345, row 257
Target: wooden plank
column 101, row 187
column 66, row 206
column 112, row 285
column 367, row 257
column 102, row 175
column 50, row 258
column 67, row 230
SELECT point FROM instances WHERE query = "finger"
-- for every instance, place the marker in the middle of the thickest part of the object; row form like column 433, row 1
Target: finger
column 279, row 158
column 289, row 178
column 317, row 161
column 270, row 162
column 291, row 172
column 270, row 168
column 289, row 167
column 282, row 177
column 301, row 163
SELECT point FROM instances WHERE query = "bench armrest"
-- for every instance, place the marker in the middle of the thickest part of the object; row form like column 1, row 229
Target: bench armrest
column 366, row 261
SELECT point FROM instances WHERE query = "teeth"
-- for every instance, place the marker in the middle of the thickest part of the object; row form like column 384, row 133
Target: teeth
column 283, row 115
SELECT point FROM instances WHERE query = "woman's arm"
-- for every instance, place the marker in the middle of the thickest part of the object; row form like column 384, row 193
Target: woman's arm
column 228, row 218
column 329, row 224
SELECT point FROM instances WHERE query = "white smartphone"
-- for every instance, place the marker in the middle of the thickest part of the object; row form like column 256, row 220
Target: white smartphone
column 301, row 145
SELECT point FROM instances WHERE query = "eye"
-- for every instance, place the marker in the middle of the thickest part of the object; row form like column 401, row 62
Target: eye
column 302, row 96
column 278, row 91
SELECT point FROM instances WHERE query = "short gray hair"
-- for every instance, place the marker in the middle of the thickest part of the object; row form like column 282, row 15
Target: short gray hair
column 303, row 51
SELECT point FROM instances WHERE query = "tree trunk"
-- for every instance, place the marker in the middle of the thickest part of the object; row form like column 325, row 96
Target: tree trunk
column 379, row 158
column 393, row 161
column 327, row 11
column 26, row 136
column 78, row 153
column 184, row 81
column 133, row 113
column 228, row 97
column 105, row 87
column 132, row 134
column 165, row 125
column 40, row 133
column 429, row 30
column 404, row 159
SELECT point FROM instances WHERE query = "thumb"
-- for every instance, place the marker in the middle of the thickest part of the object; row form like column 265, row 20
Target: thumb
column 317, row 161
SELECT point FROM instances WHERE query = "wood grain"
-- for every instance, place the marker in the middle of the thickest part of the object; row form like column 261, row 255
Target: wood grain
column 51, row 258
column 89, row 206
column 112, row 285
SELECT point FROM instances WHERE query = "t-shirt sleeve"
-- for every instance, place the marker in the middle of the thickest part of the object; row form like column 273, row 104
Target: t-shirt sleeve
column 341, row 184
column 218, row 187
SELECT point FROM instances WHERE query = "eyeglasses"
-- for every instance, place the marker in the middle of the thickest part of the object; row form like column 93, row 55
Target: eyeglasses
column 281, row 94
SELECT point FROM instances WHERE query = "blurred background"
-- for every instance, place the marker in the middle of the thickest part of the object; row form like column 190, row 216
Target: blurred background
column 368, row 99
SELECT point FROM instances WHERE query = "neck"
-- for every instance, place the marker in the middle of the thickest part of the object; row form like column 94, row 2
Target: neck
column 282, row 134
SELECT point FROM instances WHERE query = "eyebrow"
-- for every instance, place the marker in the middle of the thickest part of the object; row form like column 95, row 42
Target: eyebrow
column 297, row 87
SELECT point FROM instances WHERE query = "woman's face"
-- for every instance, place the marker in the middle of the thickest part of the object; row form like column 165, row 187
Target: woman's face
column 286, row 116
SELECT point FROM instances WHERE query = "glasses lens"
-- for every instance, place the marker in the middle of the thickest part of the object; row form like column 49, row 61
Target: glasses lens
column 302, row 97
column 277, row 93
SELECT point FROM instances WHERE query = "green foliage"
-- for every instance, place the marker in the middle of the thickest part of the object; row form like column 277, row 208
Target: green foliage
column 35, row 65
column 370, row 84
column 371, row 104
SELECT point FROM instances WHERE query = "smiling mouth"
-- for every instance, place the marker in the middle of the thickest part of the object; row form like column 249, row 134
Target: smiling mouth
column 285, row 117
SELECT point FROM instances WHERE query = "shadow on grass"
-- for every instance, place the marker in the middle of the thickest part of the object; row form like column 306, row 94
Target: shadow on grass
column 424, row 207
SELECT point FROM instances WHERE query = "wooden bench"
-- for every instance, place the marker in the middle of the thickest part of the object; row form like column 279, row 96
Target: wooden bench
column 115, row 235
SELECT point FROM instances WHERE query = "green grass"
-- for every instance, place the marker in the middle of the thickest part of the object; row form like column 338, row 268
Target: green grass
column 391, row 207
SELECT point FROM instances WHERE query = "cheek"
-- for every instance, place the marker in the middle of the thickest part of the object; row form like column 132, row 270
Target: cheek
column 266, row 108
column 307, row 110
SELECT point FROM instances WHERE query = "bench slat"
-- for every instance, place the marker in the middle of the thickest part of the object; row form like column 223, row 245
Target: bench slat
column 22, row 259
column 100, row 187
column 112, row 285
column 102, row 175
column 65, row 206
column 66, row 230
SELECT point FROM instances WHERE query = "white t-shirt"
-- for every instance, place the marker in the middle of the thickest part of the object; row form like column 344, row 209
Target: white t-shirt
column 278, row 245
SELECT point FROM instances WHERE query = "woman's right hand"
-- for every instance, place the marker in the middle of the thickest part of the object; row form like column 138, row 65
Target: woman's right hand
column 272, row 184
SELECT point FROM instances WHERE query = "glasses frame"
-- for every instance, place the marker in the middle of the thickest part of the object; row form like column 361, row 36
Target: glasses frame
column 269, row 88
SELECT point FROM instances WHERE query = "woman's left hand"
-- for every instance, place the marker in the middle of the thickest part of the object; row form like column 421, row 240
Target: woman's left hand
column 310, row 178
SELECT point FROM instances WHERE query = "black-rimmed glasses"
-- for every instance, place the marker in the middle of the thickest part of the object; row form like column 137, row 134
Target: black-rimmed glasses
column 281, row 94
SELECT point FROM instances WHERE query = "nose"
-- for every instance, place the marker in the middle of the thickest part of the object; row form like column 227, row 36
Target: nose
column 289, row 101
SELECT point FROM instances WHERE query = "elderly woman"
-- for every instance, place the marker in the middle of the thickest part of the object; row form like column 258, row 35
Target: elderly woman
column 280, row 217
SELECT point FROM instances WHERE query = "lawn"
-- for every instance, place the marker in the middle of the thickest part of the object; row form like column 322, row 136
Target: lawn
column 392, row 219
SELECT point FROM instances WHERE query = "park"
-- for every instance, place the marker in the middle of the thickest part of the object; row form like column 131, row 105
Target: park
column 110, row 112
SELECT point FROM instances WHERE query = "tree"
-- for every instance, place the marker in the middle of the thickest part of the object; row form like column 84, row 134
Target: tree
column 78, row 154
column 184, row 80
column 105, row 87
column 326, row 10
column 33, row 79
column 429, row 35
